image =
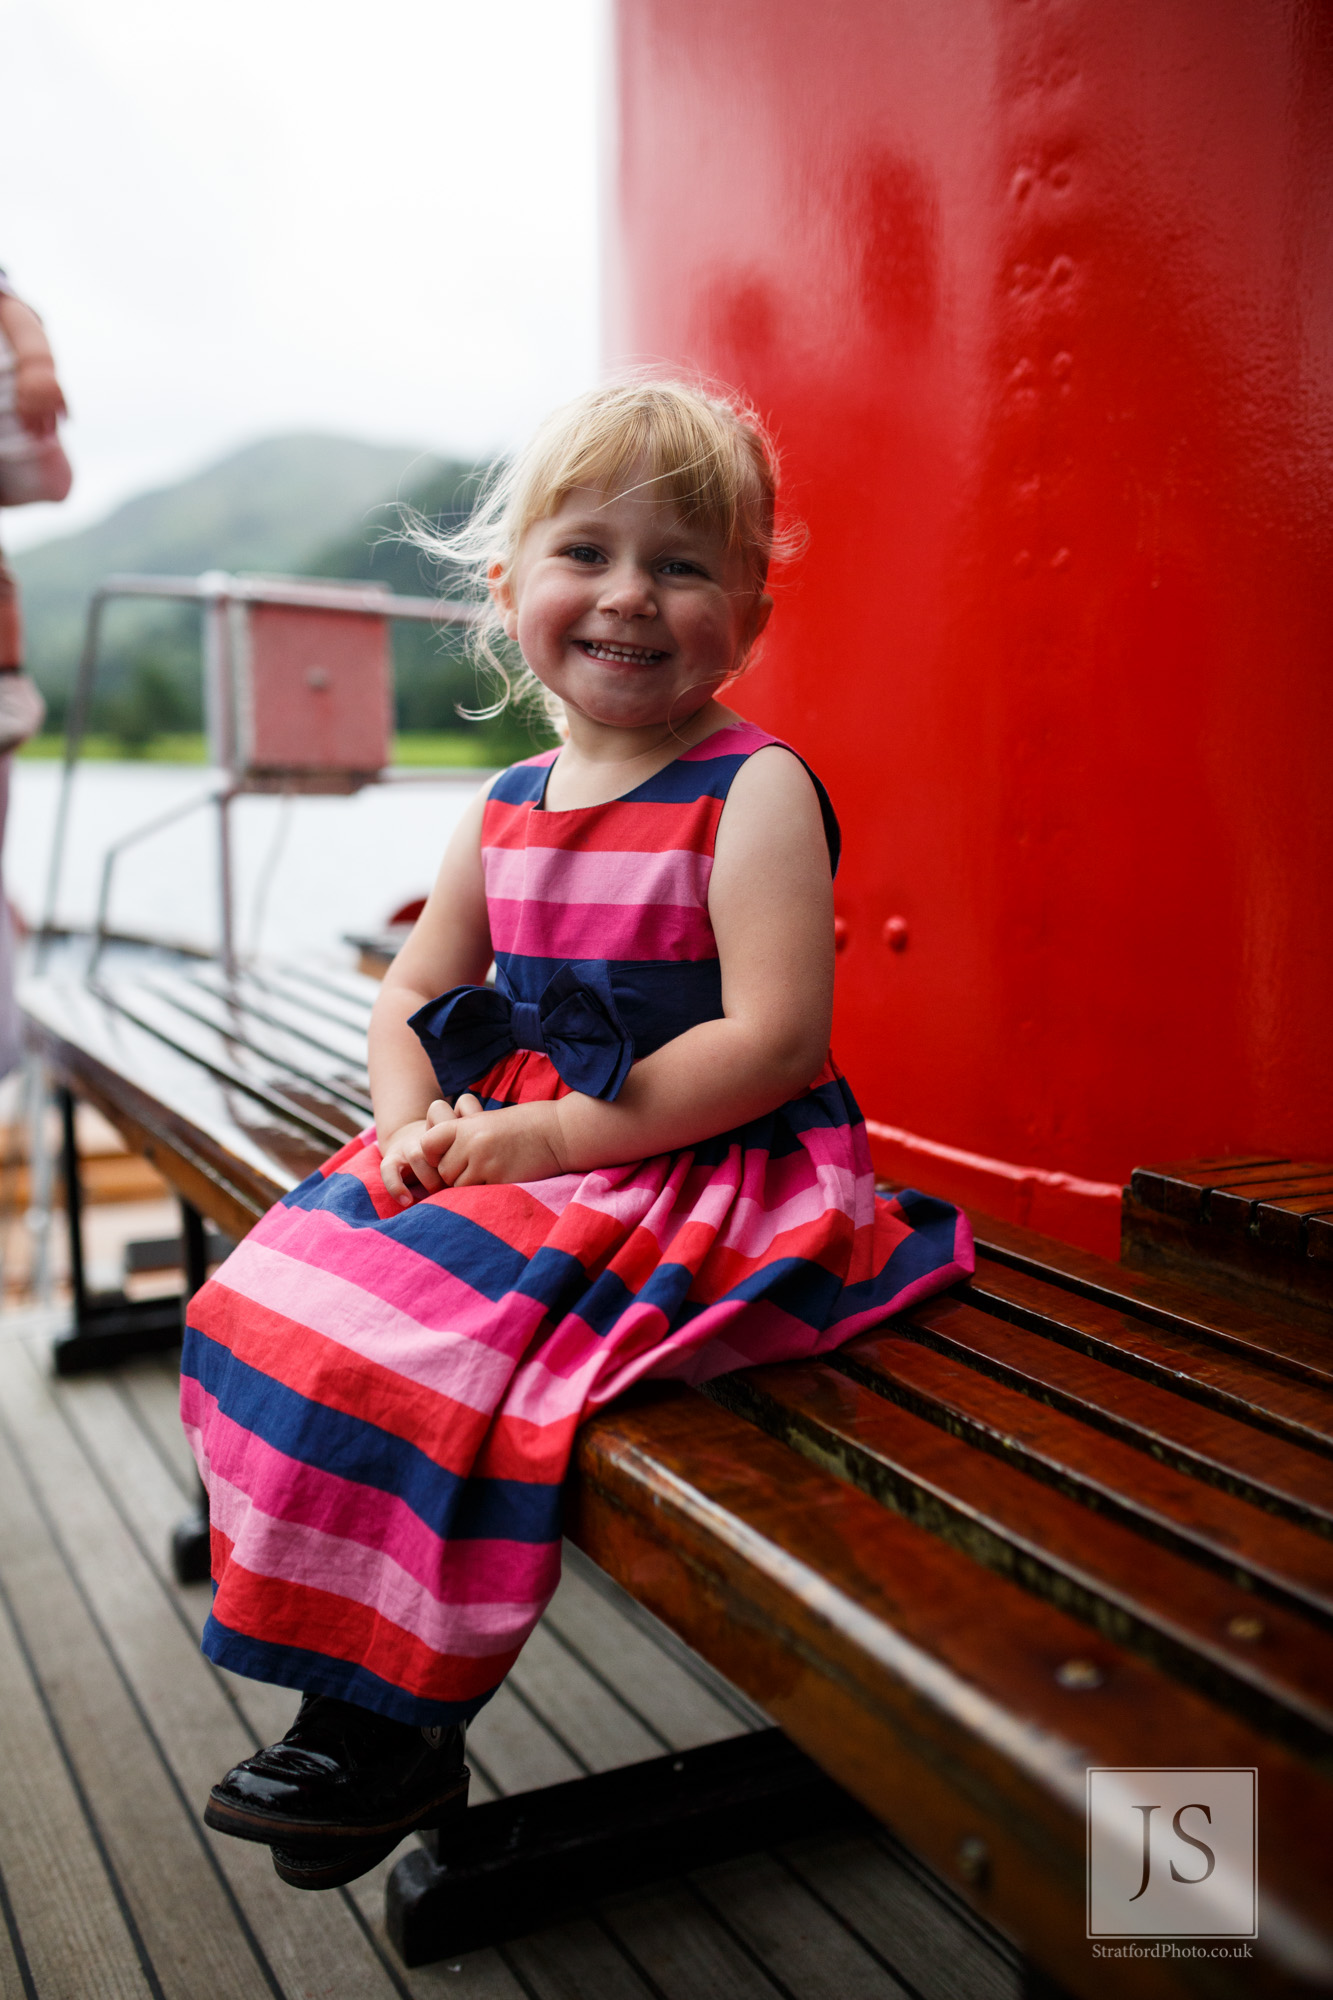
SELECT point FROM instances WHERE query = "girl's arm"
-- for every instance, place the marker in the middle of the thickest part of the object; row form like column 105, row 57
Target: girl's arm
column 450, row 945
column 771, row 904
column 37, row 394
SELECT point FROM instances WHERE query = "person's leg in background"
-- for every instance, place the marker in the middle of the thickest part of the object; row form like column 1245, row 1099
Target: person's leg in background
column 22, row 711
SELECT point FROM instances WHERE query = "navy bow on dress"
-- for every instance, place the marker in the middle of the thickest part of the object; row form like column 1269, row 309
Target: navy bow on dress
column 575, row 1023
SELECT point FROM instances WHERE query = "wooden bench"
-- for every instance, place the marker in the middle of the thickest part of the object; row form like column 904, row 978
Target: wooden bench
column 1073, row 1514
column 1247, row 1227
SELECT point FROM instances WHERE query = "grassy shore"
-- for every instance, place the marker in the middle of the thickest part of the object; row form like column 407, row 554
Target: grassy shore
column 443, row 751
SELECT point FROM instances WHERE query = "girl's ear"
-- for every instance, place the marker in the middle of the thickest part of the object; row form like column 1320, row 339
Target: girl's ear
column 756, row 617
column 502, row 597
column 760, row 612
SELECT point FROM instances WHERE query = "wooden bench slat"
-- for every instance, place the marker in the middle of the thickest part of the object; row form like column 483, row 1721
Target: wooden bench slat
column 1232, row 1262
column 323, row 1119
column 1236, row 1208
column 1284, row 1224
column 1183, row 1190
column 1137, row 1592
column 213, row 1144
column 1270, row 1471
column 1260, row 1549
column 275, row 1048
column 1260, row 1331
column 1240, row 1385
column 1319, row 1238
column 1213, row 1164
column 334, row 1038
column 323, row 1003
column 327, row 985
column 924, row 1683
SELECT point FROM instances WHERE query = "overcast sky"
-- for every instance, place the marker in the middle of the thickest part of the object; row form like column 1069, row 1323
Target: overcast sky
column 277, row 215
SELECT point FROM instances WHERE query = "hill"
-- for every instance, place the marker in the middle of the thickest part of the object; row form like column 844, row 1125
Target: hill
column 274, row 505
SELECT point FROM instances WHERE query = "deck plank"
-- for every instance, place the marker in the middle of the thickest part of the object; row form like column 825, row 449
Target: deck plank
column 152, row 1847
column 682, row 1709
column 16, row 1980
column 309, row 1945
column 601, row 1731
column 792, row 1933
column 907, row 1917
column 152, row 1499
column 515, row 1749
column 577, row 1961
column 61, row 1901
column 480, row 1975
column 669, row 1930
column 150, row 1389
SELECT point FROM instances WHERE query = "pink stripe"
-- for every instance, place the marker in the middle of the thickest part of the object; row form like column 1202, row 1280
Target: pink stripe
column 429, row 1297
column 452, row 1363
column 457, row 1571
column 594, row 930
column 758, row 1332
column 290, row 1553
column 728, row 742
column 839, row 1146
column 752, row 1229
column 566, row 875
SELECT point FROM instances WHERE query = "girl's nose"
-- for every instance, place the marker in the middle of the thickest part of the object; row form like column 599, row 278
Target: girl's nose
column 627, row 592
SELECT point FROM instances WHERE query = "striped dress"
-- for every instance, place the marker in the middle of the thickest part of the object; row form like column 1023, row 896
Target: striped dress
column 383, row 1402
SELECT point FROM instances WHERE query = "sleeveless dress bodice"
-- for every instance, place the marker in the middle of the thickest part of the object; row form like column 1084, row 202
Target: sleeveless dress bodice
column 625, row 883
column 383, row 1401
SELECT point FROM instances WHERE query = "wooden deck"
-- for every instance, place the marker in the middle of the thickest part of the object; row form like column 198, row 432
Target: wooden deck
column 113, row 1726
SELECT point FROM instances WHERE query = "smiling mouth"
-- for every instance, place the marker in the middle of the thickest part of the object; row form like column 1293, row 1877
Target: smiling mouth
column 626, row 656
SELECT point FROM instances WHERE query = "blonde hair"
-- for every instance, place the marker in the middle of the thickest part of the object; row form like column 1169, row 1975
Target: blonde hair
column 707, row 452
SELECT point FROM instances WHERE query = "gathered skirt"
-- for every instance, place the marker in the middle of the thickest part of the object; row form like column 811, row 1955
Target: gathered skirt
column 383, row 1402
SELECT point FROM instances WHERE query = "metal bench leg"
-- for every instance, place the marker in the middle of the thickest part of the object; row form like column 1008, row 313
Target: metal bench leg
column 108, row 1327
column 516, row 1864
column 191, row 1559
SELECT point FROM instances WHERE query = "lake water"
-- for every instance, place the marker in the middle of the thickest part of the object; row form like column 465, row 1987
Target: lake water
column 307, row 870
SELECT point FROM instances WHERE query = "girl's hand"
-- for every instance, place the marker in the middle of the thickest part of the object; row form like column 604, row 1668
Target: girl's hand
column 405, row 1153
column 472, row 1147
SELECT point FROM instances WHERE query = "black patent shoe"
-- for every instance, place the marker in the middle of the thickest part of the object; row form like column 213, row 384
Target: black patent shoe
column 330, row 1864
column 333, row 1864
column 341, row 1774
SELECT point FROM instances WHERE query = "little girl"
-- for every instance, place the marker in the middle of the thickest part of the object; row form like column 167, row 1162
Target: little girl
column 632, row 1156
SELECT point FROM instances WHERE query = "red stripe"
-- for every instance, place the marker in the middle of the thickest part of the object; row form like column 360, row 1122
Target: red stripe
column 326, row 1374
column 291, row 1614
column 536, row 1454
column 619, row 827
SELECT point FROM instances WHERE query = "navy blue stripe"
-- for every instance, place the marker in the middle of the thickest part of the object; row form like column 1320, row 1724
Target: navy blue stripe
column 555, row 1279
column 451, row 1505
column 679, row 783
column 929, row 1248
column 520, row 783
column 341, row 1194
column 444, row 1236
column 320, row 1673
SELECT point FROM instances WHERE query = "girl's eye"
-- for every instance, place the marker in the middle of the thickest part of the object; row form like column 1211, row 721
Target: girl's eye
column 680, row 566
column 583, row 552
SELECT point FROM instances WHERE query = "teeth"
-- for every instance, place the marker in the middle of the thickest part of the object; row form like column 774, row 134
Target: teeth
column 597, row 650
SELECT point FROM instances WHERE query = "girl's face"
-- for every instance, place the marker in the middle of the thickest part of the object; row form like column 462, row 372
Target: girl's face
column 628, row 615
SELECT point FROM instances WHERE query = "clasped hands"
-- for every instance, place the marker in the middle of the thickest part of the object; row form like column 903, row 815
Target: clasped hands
column 462, row 1145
